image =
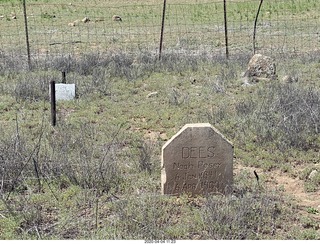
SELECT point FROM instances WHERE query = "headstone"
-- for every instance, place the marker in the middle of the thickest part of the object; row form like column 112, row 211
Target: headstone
column 65, row 91
column 197, row 160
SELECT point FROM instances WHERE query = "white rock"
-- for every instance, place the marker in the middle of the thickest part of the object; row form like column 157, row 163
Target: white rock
column 289, row 79
column 116, row 18
column 85, row 20
column 152, row 94
column 312, row 174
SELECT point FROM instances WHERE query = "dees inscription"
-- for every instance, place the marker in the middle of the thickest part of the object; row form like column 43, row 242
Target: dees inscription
column 197, row 160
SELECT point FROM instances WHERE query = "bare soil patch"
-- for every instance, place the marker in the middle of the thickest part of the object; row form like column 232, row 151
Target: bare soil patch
column 292, row 187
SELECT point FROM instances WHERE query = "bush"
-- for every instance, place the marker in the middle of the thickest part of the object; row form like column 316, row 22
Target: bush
column 284, row 114
column 76, row 155
column 32, row 87
column 252, row 216
column 70, row 155
column 11, row 64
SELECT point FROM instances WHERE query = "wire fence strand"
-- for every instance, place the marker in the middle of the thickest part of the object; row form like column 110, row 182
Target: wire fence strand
column 76, row 28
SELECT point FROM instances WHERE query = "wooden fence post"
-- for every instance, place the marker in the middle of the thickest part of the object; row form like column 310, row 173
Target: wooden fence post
column 26, row 31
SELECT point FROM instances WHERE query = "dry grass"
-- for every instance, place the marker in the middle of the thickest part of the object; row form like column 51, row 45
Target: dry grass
column 96, row 175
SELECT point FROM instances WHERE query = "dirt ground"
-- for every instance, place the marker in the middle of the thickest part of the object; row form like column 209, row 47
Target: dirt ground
column 293, row 187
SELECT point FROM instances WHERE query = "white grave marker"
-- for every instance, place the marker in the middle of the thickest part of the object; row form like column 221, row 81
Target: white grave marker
column 65, row 91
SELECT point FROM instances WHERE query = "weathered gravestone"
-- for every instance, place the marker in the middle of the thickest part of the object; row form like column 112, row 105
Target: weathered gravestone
column 65, row 91
column 197, row 160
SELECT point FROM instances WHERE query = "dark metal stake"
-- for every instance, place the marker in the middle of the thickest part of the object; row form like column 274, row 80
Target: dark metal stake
column 255, row 27
column 257, row 176
column 225, row 28
column 53, row 102
column 162, row 28
column 64, row 81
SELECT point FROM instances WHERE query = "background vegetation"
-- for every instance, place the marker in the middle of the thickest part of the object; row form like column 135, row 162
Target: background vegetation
column 96, row 175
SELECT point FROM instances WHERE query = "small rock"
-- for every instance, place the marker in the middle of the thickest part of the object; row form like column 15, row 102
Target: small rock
column 245, row 81
column 234, row 198
column 85, row 20
column 193, row 81
column 116, row 18
column 74, row 23
column 289, row 79
column 152, row 94
column 312, row 174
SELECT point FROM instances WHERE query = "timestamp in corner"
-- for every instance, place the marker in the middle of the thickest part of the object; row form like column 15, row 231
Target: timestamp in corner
column 160, row 241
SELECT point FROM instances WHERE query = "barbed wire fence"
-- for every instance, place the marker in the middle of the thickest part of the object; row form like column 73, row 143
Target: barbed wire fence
column 76, row 28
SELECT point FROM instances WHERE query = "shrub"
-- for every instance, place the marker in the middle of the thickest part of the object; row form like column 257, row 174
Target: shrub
column 284, row 114
column 11, row 64
column 33, row 87
column 70, row 154
column 249, row 217
column 75, row 155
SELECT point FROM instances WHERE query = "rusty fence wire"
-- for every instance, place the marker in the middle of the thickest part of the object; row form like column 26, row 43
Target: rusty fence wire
column 58, row 29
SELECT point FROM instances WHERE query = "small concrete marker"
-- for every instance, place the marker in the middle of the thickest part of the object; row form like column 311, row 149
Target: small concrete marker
column 65, row 91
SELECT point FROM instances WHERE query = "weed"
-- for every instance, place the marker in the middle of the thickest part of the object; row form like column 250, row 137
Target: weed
column 62, row 64
column 47, row 16
column 249, row 213
column 309, row 234
column 310, row 228
column 312, row 210
column 311, row 177
column 32, row 87
column 11, row 64
column 284, row 114
column 145, row 154
column 9, row 228
column 177, row 98
column 77, row 157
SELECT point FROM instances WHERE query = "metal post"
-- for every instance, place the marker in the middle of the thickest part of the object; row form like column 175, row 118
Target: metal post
column 225, row 28
column 53, row 102
column 162, row 28
column 255, row 27
column 64, row 81
column 27, row 35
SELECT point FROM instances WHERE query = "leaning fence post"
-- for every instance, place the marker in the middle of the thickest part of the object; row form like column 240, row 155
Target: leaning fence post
column 53, row 102
column 27, row 35
column 162, row 28
column 255, row 27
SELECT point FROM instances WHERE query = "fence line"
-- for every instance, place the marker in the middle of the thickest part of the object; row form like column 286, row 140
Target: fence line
column 57, row 29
